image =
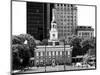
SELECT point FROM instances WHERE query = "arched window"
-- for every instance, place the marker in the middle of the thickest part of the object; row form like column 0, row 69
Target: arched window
column 53, row 26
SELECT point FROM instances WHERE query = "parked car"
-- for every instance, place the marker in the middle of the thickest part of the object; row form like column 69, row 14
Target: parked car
column 91, row 61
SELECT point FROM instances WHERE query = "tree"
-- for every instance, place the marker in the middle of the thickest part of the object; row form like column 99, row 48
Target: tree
column 38, row 42
column 89, row 45
column 30, row 42
column 16, row 40
column 75, row 42
column 22, row 51
column 45, row 41
column 17, row 56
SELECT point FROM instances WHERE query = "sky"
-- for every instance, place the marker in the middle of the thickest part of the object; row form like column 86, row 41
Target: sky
column 85, row 17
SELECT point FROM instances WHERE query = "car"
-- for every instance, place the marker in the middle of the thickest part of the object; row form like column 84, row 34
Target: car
column 91, row 61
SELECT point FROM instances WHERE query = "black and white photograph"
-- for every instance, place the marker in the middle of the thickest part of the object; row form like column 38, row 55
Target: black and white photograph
column 52, row 37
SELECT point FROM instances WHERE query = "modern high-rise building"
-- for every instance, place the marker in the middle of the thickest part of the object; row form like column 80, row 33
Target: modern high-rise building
column 38, row 19
column 66, row 19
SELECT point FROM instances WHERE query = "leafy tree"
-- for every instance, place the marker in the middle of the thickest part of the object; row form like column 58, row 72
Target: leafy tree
column 22, row 51
column 89, row 44
column 45, row 41
column 16, row 40
column 38, row 42
column 30, row 42
column 16, row 57
column 75, row 42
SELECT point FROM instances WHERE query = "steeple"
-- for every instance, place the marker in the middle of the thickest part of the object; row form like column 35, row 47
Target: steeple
column 53, row 22
column 53, row 31
column 53, row 16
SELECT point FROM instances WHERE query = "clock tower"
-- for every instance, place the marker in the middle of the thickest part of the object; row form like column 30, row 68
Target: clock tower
column 53, row 32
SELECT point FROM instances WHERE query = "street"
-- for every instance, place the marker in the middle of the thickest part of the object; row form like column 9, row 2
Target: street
column 50, row 68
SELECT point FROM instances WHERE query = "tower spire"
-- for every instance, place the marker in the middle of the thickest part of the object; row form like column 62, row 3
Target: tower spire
column 53, row 16
column 53, row 31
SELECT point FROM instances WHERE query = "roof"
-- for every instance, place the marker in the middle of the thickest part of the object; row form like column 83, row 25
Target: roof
column 84, row 28
column 49, row 46
column 53, row 48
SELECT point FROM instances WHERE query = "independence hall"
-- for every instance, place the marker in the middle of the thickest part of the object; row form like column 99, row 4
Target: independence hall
column 54, row 55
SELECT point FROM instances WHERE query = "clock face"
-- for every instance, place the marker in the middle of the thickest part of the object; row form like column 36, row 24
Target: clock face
column 53, row 35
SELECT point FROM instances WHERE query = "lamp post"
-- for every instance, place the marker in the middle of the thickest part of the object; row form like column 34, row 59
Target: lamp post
column 64, row 53
column 45, row 43
column 45, row 57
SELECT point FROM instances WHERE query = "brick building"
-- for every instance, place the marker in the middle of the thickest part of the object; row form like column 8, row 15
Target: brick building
column 85, row 32
column 49, row 54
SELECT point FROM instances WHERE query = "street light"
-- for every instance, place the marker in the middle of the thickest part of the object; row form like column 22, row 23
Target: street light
column 45, row 43
column 64, row 53
column 45, row 57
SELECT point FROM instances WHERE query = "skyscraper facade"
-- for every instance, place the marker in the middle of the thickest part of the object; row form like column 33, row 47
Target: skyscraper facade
column 38, row 19
column 66, row 19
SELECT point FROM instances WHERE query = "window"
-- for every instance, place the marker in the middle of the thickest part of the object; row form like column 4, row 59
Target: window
column 91, row 34
column 67, row 23
column 64, row 19
column 71, row 5
column 68, row 33
column 50, row 43
column 57, row 43
column 56, row 52
column 79, row 33
column 37, row 10
column 87, row 33
column 68, row 53
column 64, row 4
column 53, row 53
column 41, row 53
column 68, row 5
column 60, row 52
column 49, row 53
column 64, row 31
column 82, row 33
column 37, row 54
